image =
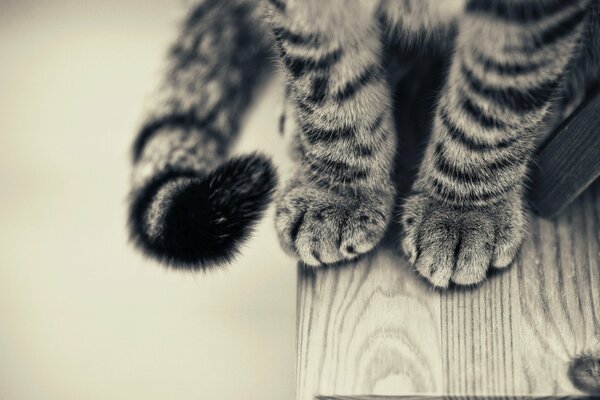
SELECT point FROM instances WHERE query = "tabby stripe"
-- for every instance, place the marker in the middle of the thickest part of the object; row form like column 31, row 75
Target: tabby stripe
column 478, row 115
column 315, row 135
column 177, row 120
column 376, row 125
column 459, row 136
column 308, row 39
column 304, row 106
column 319, row 89
column 559, row 30
column 506, row 68
column 447, row 193
column 338, row 170
column 524, row 11
column 449, row 169
column 369, row 74
column 517, row 100
column 361, row 150
column 513, row 160
column 298, row 66
column 279, row 5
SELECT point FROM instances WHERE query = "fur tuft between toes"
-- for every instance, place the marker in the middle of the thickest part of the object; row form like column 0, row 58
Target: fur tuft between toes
column 192, row 220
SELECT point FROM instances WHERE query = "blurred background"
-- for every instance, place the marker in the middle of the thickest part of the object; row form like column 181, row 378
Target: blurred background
column 82, row 314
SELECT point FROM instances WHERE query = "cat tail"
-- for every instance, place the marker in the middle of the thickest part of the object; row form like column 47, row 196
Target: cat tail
column 191, row 205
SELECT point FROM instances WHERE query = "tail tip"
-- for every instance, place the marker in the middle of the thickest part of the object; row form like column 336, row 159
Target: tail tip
column 193, row 221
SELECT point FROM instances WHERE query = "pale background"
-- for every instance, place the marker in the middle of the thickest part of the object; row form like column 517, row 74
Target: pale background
column 82, row 314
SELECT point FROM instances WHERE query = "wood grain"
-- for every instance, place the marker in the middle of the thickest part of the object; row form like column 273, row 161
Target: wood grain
column 569, row 161
column 450, row 398
column 374, row 328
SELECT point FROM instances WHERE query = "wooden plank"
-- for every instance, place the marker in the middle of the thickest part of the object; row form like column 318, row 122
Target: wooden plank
column 449, row 398
column 374, row 328
column 569, row 161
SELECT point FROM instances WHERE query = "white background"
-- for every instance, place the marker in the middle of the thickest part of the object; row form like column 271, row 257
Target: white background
column 82, row 314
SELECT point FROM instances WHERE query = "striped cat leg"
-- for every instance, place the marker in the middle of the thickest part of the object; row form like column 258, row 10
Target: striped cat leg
column 339, row 202
column 466, row 213
column 190, row 206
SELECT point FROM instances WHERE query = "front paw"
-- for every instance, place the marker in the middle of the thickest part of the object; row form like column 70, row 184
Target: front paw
column 448, row 244
column 323, row 227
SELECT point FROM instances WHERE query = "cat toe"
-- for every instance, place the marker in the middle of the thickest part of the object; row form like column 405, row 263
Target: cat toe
column 508, row 241
column 475, row 250
column 447, row 245
column 323, row 228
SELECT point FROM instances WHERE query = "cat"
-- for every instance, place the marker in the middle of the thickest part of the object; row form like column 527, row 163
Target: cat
column 514, row 65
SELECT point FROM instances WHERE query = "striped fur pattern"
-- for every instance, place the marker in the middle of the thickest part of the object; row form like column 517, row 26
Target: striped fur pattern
column 513, row 62
column 510, row 63
column 191, row 205
column 339, row 202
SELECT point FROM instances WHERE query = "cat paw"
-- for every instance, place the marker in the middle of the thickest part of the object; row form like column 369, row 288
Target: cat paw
column 322, row 227
column 450, row 245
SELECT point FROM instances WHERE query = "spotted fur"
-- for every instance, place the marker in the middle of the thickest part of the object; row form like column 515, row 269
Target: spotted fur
column 515, row 65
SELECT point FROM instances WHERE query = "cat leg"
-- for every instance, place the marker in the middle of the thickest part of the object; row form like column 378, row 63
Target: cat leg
column 339, row 201
column 190, row 205
column 466, row 213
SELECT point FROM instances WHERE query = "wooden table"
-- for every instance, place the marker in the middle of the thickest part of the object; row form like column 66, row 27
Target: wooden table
column 372, row 327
